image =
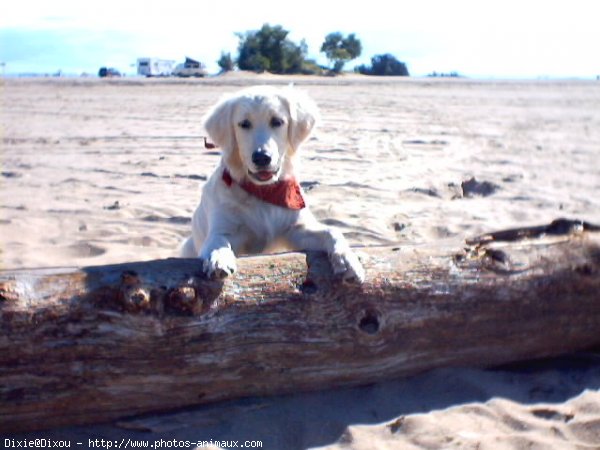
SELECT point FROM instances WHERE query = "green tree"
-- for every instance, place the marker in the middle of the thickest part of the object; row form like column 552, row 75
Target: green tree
column 340, row 49
column 225, row 62
column 384, row 65
column 269, row 49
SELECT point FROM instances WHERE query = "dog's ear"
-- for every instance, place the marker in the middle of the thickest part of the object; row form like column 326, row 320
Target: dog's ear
column 218, row 124
column 304, row 114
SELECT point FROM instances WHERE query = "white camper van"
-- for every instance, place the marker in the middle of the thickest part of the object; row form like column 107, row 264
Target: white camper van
column 154, row 67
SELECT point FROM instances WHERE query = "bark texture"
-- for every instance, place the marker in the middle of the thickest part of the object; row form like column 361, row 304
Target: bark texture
column 98, row 343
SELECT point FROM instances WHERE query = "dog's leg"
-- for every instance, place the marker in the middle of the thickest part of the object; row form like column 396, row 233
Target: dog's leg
column 318, row 237
column 218, row 259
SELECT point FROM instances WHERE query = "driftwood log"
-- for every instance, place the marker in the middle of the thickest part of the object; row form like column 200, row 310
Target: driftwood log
column 94, row 344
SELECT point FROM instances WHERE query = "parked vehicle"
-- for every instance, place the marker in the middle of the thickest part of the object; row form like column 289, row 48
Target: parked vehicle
column 190, row 68
column 154, row 67
column 109, row 72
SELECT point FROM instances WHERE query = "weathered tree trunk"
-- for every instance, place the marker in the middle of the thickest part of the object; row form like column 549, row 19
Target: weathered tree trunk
column 88, row 345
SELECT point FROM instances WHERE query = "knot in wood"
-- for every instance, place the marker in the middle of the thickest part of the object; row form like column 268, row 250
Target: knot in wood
column 585, row 269
column 8, row 292
column 183, row 298
column 135, row 298
column 369, row 321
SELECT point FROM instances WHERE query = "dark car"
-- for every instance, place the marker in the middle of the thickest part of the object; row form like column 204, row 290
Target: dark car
column 108, row 72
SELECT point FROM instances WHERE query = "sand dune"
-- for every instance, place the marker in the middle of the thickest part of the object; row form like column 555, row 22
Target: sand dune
column 97, row 172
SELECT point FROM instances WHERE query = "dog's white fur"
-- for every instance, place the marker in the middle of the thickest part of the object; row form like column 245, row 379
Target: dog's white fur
column 229, row 221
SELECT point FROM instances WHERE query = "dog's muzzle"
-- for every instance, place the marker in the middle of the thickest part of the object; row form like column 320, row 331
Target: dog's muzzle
column 263, row 172
column 261, row 159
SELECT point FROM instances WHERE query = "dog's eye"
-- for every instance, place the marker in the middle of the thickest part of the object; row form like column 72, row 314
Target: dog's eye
column 276, row 122
column 245, row 124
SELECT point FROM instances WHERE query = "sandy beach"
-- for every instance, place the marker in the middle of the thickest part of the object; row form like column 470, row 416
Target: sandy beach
column 105, row 171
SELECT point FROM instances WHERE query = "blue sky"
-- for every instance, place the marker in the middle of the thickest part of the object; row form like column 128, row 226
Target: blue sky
column 485, row 38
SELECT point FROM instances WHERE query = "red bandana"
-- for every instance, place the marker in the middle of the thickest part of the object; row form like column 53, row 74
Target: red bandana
column 284, row 193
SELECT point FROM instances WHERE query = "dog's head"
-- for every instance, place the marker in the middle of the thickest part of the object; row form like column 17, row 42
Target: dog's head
column 259, row 130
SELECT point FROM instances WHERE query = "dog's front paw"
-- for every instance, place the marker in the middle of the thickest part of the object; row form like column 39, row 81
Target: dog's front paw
column 345, row 264
column 220, row 263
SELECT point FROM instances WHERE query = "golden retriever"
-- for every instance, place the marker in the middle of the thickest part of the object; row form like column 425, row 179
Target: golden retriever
column 253, row 203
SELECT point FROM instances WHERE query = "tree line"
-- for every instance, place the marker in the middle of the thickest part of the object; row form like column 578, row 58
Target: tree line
column 270, row 50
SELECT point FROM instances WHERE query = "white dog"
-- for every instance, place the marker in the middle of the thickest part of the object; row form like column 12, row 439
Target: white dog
column 252, row 203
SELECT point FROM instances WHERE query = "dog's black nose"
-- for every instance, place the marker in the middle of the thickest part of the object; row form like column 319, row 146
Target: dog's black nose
column 261, row 158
